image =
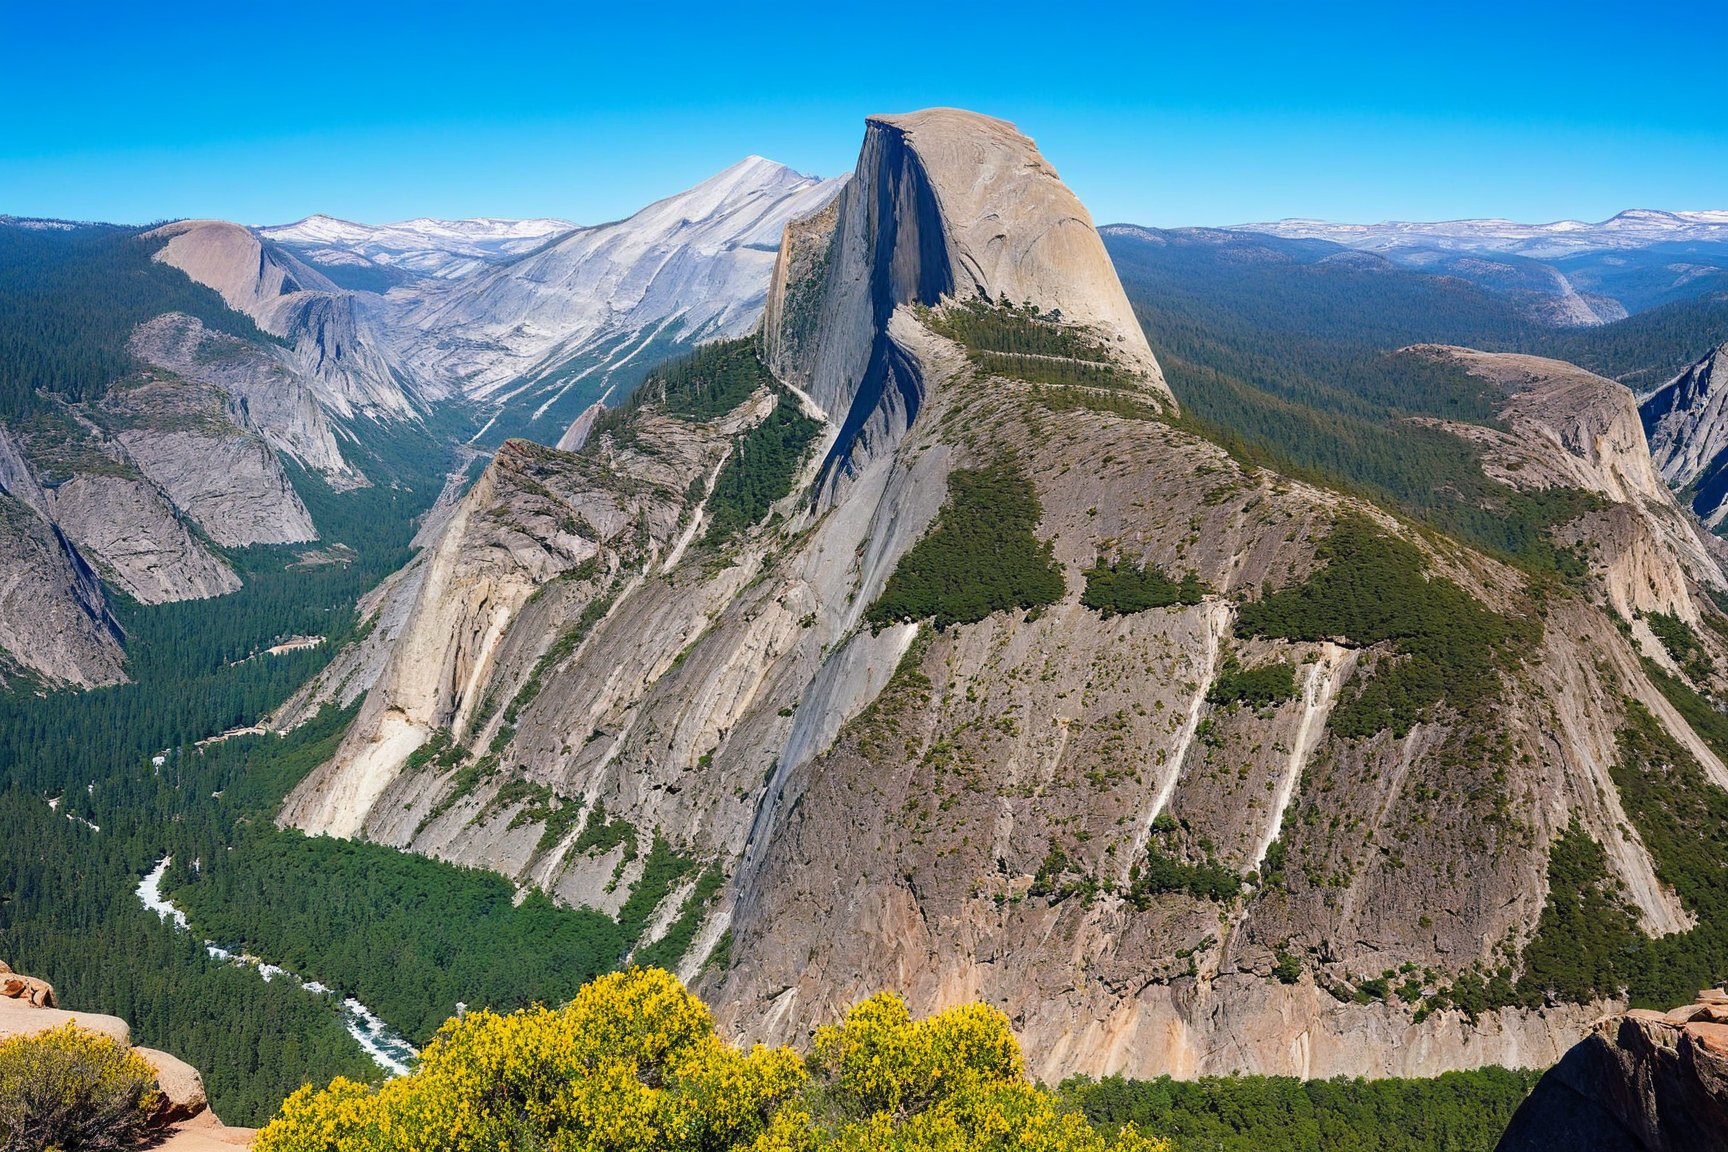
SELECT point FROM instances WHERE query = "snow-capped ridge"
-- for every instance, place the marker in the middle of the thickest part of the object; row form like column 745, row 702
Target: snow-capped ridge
column 1634, row 227
column 691, row 266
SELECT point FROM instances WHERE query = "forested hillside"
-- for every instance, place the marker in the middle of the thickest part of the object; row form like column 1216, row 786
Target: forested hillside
column 1282, row 350
column 98, row 785
column 70, row 296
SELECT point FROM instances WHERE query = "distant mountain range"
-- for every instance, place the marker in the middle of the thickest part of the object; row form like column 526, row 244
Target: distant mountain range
column 370, row 255
column 1570, row 273
column 1633, row 228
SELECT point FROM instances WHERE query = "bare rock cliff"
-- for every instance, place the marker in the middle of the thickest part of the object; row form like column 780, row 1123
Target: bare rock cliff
column 979, row 812
column 1568, row 428
column 1641, row 1082
column 943, row 204
column 54, row 618
column 1687, row 423
column 263, row 395
column 335, row 343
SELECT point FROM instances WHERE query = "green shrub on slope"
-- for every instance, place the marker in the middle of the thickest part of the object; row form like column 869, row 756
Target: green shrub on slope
column 1374, row 588
column 980, row 557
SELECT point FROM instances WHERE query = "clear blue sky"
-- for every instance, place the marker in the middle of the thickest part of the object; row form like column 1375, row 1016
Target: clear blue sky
column 1166, row 114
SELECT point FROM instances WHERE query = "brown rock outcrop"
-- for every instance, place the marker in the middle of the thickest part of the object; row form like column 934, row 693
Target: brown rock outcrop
column 182, row 1087
column 28, row 1007
column 1641, row 1082
column 30, row 989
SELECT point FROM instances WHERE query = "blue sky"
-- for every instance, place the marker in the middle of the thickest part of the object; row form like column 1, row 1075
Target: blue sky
column 1165, row 114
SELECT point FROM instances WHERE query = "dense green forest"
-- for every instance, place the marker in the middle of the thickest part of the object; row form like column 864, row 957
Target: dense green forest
column 1372, row 588
column 1286, row 358
column 704, row 385
column 121, row 764
column 1116, row 587
column 1021, row 343
column 979, row 557
column 69, row 299
column 760, row 471
column 1588, row 942
column 1642, row 351
column 407, row 935
column 1456, row 1112
column 68, row 913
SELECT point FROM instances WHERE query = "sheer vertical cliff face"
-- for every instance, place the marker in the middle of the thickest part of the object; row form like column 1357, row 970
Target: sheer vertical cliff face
column 974, row 812
column 1686, row 421
column 54, row 619
column 943, row 204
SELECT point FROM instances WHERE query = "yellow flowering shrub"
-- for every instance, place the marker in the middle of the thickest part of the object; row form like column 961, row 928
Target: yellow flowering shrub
column 955, row 1082
column 633, row 1064
column 74, row 1090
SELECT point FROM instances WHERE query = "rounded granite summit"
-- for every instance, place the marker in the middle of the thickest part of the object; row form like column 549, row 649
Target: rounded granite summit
column 1014, row 230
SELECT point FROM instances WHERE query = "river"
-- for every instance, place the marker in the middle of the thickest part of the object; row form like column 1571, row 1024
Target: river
column 387, row 1048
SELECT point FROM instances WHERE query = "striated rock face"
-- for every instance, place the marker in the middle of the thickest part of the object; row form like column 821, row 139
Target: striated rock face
column 262, row 394
column 544, row 335
column 535, row 515
column 336, row 343
column 54, row 618
column 965, row 814
column 191, row 443
column 1006, row 226
column 1686, row 421
column 130, row 530
column 1569, row 428
column 134, row 487
column 385, row 611
column 1641, row 1082
column 131, row 474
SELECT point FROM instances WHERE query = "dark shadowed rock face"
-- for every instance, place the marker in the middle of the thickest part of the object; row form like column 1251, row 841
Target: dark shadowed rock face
column 1642, row 1082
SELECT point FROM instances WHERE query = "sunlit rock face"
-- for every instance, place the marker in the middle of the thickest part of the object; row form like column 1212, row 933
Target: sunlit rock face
column 971, row 813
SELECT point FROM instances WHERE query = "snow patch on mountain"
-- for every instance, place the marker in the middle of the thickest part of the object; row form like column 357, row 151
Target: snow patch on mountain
column 1634, row 228
column 445, row 249
column 686, row 269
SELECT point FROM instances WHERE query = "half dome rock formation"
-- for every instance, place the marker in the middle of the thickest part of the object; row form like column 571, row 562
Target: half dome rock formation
column 919, row 625
column 1686, row 421
column 944, row 204
column 1008, row 228
column 1640, row 1082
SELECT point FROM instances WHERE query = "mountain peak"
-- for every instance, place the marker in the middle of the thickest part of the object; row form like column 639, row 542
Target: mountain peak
column 1011, row 227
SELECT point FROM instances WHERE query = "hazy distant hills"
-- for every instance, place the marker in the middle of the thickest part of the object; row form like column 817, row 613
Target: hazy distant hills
column 1633, row 228
column 1569, row 272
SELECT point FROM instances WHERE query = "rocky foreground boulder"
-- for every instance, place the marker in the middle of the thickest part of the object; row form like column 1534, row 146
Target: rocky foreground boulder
column 184, row 1118
column 1640, row 1082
